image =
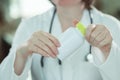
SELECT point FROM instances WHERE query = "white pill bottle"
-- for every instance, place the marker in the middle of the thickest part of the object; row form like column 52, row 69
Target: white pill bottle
column 70, row 41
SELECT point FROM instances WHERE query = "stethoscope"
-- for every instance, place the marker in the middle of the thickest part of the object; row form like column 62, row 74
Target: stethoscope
column 50, row 30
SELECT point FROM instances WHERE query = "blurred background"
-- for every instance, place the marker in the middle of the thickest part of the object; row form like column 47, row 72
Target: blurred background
column 11, row 12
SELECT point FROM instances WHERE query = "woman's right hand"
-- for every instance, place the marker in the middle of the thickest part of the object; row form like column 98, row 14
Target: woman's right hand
column 41, row 43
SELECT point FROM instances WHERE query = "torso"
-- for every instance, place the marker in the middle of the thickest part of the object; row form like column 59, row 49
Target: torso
column 73, row 68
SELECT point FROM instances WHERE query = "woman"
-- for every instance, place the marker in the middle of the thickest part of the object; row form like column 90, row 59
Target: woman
column 30, row 45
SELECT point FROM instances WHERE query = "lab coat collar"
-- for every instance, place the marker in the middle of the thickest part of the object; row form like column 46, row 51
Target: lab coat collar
column 57, row 30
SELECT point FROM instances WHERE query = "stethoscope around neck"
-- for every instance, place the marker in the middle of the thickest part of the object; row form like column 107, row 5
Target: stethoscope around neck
column 50, row 30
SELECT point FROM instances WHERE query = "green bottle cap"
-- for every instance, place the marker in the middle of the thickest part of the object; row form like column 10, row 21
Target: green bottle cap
column 81, row 28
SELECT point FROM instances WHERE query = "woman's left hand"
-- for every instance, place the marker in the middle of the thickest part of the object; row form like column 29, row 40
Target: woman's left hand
column 99, row 36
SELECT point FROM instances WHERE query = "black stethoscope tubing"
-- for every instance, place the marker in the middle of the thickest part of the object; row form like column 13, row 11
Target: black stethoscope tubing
column 50, row 30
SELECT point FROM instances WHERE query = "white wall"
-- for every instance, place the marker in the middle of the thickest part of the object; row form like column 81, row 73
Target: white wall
column 27, row 8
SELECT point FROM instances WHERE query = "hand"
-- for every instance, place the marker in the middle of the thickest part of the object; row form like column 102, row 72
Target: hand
column 99, row 36
column 42, row 43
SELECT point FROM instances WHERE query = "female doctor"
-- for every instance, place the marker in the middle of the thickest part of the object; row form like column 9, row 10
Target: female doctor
column 35, row 45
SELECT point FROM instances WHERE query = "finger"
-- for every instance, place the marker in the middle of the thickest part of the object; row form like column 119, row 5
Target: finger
column 44, row 47
column 53, row 39
column 100, row 37
column 35, row 49
column 50, row 45
column 89, row 31
column 97, row 31
column 48, row 42
column 106, row 41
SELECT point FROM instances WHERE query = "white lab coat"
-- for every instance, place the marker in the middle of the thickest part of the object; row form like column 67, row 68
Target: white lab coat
column 73, row 67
